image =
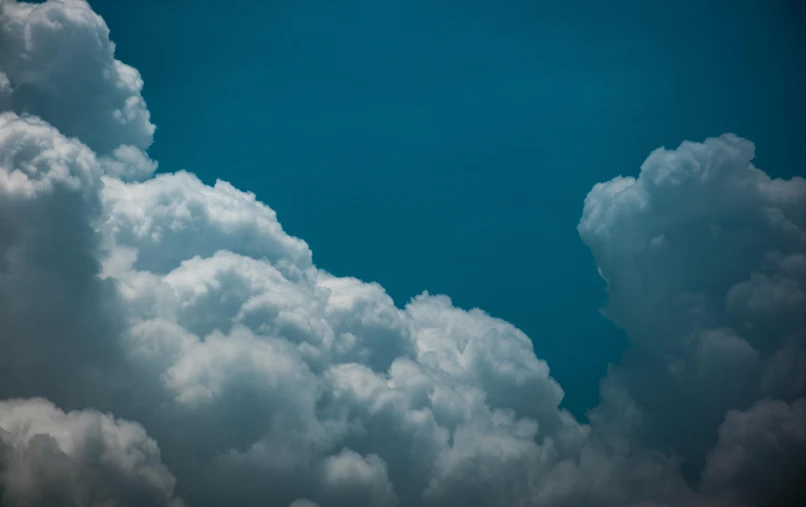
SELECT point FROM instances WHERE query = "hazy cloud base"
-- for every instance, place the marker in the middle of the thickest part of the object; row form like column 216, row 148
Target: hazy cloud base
column 164, row 342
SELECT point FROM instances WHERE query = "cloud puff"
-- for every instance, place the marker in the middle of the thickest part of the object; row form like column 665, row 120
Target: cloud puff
column 357, row 480
column 703, row 255
column 268, row 381
column 174, row 217
column 48, row 457
column 59, row 64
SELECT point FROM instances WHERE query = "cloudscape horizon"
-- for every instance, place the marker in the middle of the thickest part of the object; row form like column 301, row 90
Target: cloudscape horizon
column 164, row 342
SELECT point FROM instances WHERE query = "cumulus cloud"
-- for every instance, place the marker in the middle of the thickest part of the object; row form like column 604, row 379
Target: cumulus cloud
column 188, row 310
column 703, row 255
column 59, row 64
column 174, row 217
column 48, row 458
column 358, row 480
column 57, row 315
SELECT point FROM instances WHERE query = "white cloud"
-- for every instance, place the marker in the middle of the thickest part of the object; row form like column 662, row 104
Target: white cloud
column 36, row 159
column 476, row 349
column 59, row 64
column 358, row 480
column 173, row 217
column 268, row 381
column 5, row 92
column 128, row 163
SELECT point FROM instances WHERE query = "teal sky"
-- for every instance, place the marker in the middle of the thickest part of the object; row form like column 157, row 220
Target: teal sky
column 448, row 146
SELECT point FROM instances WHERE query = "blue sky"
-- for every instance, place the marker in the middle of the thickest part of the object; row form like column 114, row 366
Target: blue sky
column 448, row 146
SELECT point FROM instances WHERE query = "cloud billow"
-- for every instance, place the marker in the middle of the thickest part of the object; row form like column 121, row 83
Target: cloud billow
column 165, row 342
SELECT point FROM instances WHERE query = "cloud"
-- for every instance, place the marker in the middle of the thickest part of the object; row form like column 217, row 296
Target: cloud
column 48, row 457
column 357, row 480
column 265, row 380
column 173, row 217
column 59, row 64
column 703, row 255
column 760, row 452
column 57, row 315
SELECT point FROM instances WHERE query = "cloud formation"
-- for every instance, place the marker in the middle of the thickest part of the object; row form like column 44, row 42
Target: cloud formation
column 48, row 457
column 59, row 64
column 704, row 258
column 760, row 451
column 252, row 377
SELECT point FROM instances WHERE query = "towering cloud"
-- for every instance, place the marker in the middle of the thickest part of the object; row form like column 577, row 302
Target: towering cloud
column 164, row 342
column 704, row 256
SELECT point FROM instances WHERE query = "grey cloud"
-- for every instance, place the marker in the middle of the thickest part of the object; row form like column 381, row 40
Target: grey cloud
column 81, row 459
column 56, row 314
column 760, row 453
column 302, row 503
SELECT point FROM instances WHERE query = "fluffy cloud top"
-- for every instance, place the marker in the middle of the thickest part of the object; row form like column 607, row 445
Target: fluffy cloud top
column 265, row 380
column 58, row 63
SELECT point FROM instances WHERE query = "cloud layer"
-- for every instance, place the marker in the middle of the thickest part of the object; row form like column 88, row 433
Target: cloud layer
column 252, row 377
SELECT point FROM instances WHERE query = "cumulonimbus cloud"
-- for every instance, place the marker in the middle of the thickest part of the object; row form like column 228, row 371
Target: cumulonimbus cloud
column 252, row 377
